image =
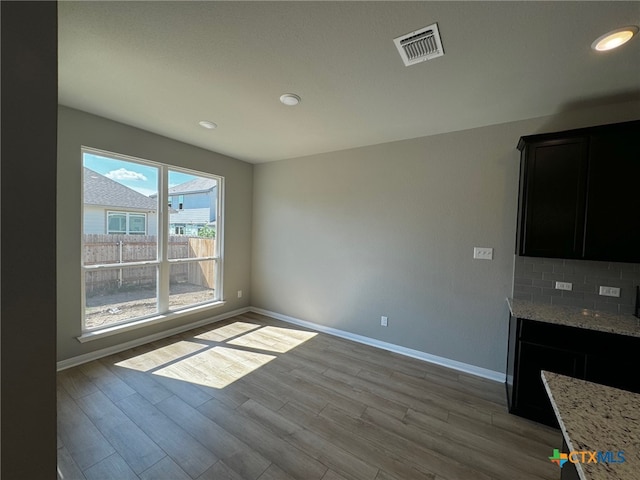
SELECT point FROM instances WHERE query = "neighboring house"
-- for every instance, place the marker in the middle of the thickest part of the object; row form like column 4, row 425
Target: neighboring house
column 112, row 208
column 194, row 205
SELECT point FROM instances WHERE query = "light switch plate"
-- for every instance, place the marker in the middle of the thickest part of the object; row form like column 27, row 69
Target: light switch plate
column 609, row 291
column 483, row 253
column 564, row 286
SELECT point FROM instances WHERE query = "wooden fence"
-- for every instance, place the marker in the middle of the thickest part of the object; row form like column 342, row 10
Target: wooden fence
column 115, row 249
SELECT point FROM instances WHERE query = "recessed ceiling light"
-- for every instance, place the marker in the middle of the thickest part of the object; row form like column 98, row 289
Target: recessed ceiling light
column 207, row 124
column 614, row 39
column 290, row 99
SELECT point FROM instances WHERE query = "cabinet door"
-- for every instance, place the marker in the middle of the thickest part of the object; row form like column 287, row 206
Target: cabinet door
column 553, row 191
column 531, row 397
column 613, row 360
column 613, row 199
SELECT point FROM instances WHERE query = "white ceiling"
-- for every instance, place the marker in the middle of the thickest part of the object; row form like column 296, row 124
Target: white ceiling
column 164, row 66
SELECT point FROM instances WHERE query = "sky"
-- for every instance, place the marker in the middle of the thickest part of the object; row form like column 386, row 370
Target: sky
column 141, row 178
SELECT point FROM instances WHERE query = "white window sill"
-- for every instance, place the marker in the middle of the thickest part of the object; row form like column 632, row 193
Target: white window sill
column 145, row 322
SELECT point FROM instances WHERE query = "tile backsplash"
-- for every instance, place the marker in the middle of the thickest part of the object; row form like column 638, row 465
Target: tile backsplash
column 535, row 279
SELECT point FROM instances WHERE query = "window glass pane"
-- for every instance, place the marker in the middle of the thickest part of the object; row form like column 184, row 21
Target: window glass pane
column 137, row 224
column 119, row 294
column 117, row 223
column 193, row 216
column 120, row 208
column 192, row 283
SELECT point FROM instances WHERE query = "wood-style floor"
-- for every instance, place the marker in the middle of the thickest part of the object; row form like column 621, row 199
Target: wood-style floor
column 255, row 398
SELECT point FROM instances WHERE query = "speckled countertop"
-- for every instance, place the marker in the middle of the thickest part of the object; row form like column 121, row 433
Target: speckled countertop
column 594, row 417
column 576, row 317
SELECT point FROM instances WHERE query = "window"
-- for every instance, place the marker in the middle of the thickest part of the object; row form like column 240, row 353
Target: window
column 116, row 223
column 126, row 223
column 180, row 204
column 137, row 223
column 138, row 263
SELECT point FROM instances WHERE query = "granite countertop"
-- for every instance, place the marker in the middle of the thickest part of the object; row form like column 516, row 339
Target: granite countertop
column 575, row 317
column 594, row 417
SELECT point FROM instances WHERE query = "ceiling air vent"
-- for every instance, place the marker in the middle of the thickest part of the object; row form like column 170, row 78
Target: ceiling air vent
column 421, row 45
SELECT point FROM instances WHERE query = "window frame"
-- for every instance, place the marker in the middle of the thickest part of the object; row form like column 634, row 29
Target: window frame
column 162, row 262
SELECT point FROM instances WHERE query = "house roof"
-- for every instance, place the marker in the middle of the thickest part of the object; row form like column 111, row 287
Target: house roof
column 191, row 215
column 100, row 190
column 196, row 185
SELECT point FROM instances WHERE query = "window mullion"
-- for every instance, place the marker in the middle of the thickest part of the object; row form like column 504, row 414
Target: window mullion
column 219, row 245
column 164, row 269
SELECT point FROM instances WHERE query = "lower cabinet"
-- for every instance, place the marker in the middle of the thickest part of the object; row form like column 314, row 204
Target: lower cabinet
column 615, row 363
column 533, row 400
column 586, row 354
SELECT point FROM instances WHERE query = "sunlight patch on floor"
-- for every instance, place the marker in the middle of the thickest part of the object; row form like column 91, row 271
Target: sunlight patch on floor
column 273, row 339
column 216, row 367
column 225, row 332
column 161, row 356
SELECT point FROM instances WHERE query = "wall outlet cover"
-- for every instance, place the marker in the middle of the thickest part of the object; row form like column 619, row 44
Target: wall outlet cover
column 483, row 253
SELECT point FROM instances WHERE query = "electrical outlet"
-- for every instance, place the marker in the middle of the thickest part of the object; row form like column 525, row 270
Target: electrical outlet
column 609, row 291
column 483, row 253
column 384, row 321
column 564, row 286
column 239, row 293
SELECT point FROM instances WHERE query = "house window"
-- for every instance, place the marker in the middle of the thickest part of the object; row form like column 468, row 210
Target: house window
column 124, row 223
column 116, row 223
column 140, row 264
column 137, row 223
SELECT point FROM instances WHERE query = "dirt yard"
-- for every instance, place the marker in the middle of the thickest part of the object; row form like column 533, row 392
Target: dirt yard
column 102, row 310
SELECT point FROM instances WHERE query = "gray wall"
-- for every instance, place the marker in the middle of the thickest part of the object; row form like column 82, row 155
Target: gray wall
column 342, row 238
column 534, row 279
column 76, row 129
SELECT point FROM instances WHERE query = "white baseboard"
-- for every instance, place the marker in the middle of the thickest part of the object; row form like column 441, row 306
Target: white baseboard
column 426, row 357
column 89, row 357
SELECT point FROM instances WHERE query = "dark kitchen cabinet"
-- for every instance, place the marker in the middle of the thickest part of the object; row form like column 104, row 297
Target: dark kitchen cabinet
column 532, row 397
column 578, row 194
column 553, row 183
column 534, row 346
column 614, row 361
column 613, row 200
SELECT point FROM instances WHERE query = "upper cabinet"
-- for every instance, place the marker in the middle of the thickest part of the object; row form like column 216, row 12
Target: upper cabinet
column 580, row 194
